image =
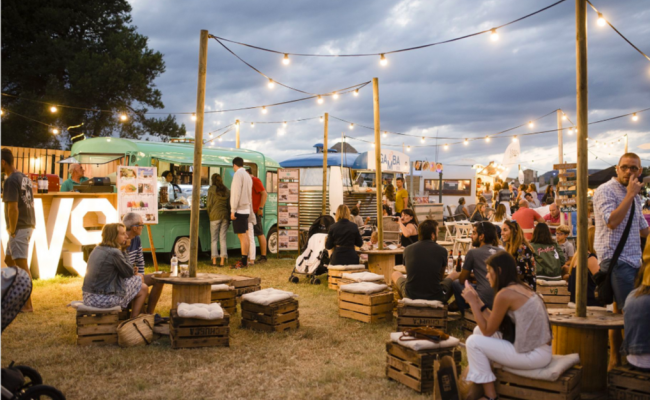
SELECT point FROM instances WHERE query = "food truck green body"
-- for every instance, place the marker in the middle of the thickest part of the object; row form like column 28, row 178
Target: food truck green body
column 171, row 234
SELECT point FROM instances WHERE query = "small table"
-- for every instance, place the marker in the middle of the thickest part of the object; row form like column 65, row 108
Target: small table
column 193, row 290
column 588, row 337
column 382, row 261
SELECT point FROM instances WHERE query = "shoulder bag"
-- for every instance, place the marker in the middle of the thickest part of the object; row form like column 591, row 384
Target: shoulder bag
column 136, row 331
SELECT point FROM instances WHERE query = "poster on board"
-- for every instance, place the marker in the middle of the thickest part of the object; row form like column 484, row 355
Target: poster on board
column 137, row 192
column 288, row 239
column 288, row 216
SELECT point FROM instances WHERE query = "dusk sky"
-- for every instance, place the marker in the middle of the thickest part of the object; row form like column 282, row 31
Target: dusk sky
column 470, row 88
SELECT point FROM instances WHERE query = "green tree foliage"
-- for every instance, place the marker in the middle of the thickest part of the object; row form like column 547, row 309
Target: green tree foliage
column 81, row 53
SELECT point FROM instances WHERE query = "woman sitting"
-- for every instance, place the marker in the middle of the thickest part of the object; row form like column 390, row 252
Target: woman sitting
column 461, row 212
column 500, row 215
column 637, row 323
column 517, row 246
column 549, row 257
column 408, row 227
column 110, row 280
column 342, row 238
column 526, row 345
column 479, row 213
column 592, row 268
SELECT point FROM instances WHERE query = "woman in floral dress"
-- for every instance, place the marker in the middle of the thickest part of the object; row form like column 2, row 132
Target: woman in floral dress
column 516, row 244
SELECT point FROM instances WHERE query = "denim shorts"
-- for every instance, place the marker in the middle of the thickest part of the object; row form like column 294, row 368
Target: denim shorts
column 623, row 277
column 18, row 246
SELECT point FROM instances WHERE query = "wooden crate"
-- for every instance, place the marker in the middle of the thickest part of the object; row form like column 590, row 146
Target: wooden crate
column 368, row 308
column 276, row 317
column 334, row 276
column 194, row 332
column 624, row 383
column 469, row 323
column 554, row 296
column 227, row 299
column 510, row 386
column 245, row 284
column 97, row 328
column 345, row 281
column 414, row 317
column 415, row 368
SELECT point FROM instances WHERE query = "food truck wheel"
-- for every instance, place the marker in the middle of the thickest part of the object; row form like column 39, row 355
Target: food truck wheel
column 182, row 249
column 272, row 240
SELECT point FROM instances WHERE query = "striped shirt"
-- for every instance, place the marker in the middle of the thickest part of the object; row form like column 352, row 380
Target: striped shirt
column 606, row 198
column 134, row 254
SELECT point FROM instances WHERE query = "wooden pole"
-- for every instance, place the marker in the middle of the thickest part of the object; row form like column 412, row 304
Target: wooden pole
column 324, row 202
column 198, row 149
column 380, row 214
column 237, row 134
column 626, row 140
column 581, row 173
column 560, row 151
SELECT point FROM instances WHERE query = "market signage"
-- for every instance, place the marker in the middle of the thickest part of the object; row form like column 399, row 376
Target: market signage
column 391, row 161
column 288, row 209
column 137, row 192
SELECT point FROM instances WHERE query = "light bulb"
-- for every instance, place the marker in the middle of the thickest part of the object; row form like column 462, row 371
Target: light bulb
column 601, row 20
column 494, row 35
column 321, row 118
column 284, row 124
column 570, row 131
column 220, row 139
column 210, row 134
column 252, row 124
column 271, row 84
column 53, row 109
column 383, row 60
column 264, row 111
column 564, row 117
column 123, row 117
column 108, row 140
column 530, row 124
column 335, row 96
column 514, row 138
column 2, row 112
column 465, row 142
column 356, row 92
column 408, row 148
column 385, row 133
column 55, row 131
column 619, row 140
column 446, row 146
column 351, row 126
column 286, row 60
column 487, row 138
column 193, row 117
column 635, row 117
column 373, row 145
column 319, row 100
column 422, row 139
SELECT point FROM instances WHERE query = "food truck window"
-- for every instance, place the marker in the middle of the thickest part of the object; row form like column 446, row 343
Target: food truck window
column 252, row 167
column 452, row 187
column 271, row 182
column 368, row 178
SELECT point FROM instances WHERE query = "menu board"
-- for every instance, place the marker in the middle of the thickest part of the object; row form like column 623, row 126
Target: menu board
column 289, row 209
column 288, row 216
column 288, row 239
column 136, row 192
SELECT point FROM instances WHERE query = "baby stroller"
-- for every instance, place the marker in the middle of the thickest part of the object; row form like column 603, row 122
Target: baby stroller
column 20, row 382
column 314, row 258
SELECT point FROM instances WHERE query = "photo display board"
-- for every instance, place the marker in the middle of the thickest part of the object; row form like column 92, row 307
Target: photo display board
column 288, row 209
column 137, row 192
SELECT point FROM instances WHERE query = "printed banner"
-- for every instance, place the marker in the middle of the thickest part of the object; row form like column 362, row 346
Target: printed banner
column 136, row 192
column 288, row 239
column 391, row 161
column 288, row 216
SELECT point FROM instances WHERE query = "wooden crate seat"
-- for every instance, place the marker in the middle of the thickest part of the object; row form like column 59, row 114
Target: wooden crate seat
column 97, row 327
column 511, row 386
column 196, row 332
column 227, row 299
column 276, row 317
column 245, row 284
column 627, row 383
column 469, row 322
column 409, row 316
column 554, row 296
column 335, row 275
column 369, row 308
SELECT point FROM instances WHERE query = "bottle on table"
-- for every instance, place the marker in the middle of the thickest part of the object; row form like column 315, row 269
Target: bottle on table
column 46, row 184
column 174, row 265
column 459, row 262
column 39, row 182
column 450, row 262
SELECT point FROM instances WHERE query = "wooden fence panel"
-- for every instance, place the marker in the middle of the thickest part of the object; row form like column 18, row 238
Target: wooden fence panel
column 30, row 160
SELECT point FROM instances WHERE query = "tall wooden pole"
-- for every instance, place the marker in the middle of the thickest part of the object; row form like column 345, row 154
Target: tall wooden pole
column 582, row 174
column 560, row 140
column 198, row 149
column 380, row 214
column 324, row 203
column 237, row 134
column 626, row 140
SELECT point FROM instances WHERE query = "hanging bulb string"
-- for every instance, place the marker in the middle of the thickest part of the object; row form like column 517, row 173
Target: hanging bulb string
column 217, row 137
column 619, row 33
column 279, row 122
column 28, row 118
column 391, row 51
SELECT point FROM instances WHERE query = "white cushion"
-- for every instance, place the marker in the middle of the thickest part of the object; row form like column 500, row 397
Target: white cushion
column 363, row 276
column 418, row 345
column 222, row 287
column 552, row 372
column 363, row 287
column 268, row 296
column 543, row 282
column 200, row 311
column 80, row 306
column 346, row 267
column 592, row 308
column 422, row 303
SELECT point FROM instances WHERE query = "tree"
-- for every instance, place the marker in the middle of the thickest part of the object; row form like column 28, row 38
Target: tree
column 81, row 53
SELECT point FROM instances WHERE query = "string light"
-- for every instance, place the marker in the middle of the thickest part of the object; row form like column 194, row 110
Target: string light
column 351, row 126
column 286, row 60
column 210, row 134
column 514, row 138
column 494, row 35
column 422, row 139
column 356, row 92
column 466, row 142
column 193, row 117
column 284, row 124
column 530, row 124
column 55, row 131
column 53, row 109
column 383, row 60
column 373, row 145
column 335, row 96
column 570, row 131
column 321, row 118
column 123, row 117
column 446, row 146
column 408, row 148
column 271, row 84
column 319, row 99
column 564, row 117
column 601, row 20
column 220, row 139
column 385, row 133
column 487, row 139
column 252, row 124
column 264, row 111
column 635, row 117
column 2, row 112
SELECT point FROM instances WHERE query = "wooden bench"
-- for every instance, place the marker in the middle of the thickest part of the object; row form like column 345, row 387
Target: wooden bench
column 227, row 299
column 625, row 383
column 554, row 296
column 195, row 332
column 511, row 386
column 469, row 323
column 276, row 317
column 414, row 317
column 245, row 284
column 415, row 368
column 335, row 275
column 369, row 308
column 97, row 327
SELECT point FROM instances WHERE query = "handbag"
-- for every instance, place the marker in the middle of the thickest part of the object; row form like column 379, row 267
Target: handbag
column 604, row 291
column 424, row 333
column 136, row 331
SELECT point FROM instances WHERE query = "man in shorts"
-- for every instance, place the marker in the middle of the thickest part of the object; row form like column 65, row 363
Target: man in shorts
column 19, row 216
column 259, row 196
column 241, row 206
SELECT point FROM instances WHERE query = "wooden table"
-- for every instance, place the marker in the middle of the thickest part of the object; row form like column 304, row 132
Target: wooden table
column 382, row 261
column 588, row 337
column 193, row 290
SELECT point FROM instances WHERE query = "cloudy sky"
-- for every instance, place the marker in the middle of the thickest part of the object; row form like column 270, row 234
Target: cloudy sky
column 471, row 88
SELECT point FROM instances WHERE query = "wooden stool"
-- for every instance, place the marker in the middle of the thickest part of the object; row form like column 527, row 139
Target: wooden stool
column 554, row 296
column 409, row 316
column 276, row 317
column 469, row 323
column 334, row 275
column 227, row 299
column 195, row 332
column 511, row 386
column 625, row 383
column 370, row 308
column 97, row 327
column 245, row 284
column 345, row 281
column 415, row 368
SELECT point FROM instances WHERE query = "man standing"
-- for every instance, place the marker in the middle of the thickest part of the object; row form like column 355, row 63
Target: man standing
column 19, row 216
column 76, row 177
column 553, row 217
column 613, row 202
column 526, row 218
column 241, row 204
column 259, row 196
column 401, row 197
column 134, row 224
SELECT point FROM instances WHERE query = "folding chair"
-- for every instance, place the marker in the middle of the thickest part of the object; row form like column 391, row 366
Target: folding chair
column 463, row 238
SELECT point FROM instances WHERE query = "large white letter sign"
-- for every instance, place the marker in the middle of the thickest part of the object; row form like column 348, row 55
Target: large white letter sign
column 49, row 238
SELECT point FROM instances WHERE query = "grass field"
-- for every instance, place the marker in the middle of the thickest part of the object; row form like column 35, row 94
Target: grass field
column 327, row 358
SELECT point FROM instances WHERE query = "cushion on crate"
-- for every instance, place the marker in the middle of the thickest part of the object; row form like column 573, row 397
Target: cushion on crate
column 268, row 296
column 592, row 308
column 222, row 287
column 400, row 268
column 363, row 276
column 552, row 372
column 346, row 267
column 200, row 311
column 418, row 345
column 421, row 303
column 543, row 282
column 550, row 278
column 80, row 306
column 363, row 287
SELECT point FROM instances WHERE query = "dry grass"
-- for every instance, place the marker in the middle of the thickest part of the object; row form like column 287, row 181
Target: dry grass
column 327, row 358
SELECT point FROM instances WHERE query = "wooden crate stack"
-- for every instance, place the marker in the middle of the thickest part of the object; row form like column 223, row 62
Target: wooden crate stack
column 511, row 386
column 227, row 299
column 369, row 308
column 554, row 296
column 335, row 275
column 415, row 368
column 276, row 317
column 469, row 323
column 625, row 383
column 97, row 328
column 194, row 332
column 245, row 284
column 415, row 317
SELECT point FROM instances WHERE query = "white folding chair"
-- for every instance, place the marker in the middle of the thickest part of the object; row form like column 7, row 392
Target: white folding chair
column 449, row 236
column 463, row 240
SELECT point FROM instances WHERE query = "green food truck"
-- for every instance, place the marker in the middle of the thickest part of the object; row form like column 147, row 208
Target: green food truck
column 171, row 234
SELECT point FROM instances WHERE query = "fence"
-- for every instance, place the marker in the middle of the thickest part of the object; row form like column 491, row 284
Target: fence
column 34, row 161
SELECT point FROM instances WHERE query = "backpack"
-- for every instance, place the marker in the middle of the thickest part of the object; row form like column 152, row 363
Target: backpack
column 314, row 255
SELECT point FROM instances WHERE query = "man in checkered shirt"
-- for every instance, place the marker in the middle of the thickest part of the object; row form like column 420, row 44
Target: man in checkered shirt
column 612, row 204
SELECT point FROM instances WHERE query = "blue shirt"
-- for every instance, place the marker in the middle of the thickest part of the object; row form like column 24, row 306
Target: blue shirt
column 67, row 185
column 606, row 198
column 135, row 255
